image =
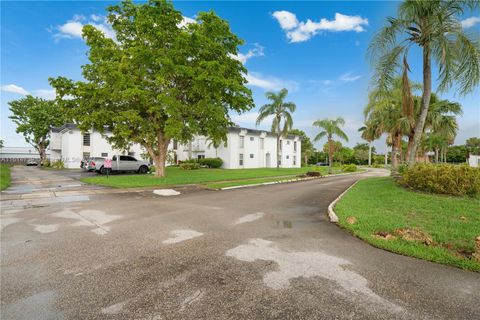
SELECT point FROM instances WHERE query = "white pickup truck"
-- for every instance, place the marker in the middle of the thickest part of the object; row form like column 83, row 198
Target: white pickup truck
column 123, row 163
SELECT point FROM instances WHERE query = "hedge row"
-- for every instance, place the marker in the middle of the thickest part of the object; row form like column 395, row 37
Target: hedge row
column 458, row 180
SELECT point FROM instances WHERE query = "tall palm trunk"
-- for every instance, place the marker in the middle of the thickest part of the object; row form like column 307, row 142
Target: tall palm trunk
column 427, row 92
column 396, row 145
column 386, row 154
column 369, row 153
column 330, row 154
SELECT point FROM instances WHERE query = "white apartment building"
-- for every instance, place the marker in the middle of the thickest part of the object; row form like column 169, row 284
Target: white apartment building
column 69, row 144
column 245, row 148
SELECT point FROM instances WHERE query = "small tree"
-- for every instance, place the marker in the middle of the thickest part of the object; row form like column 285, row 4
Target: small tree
column 281, row 111
column 34, row 117
column 160, row 79
column 330, row 128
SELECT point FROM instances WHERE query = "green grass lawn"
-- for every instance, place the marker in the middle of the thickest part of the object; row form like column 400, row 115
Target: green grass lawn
column 379, row 205
column 177, row 176
column 4, row 176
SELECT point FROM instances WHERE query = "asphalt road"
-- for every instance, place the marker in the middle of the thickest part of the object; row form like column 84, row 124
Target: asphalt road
column 255, row 253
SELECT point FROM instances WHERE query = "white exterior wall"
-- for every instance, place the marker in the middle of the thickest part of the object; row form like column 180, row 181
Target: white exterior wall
column 68, row 146
column 230, row 154
column 474, row 161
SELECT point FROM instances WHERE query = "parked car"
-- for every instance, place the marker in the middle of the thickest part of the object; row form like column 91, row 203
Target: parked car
column 321, row 164
column 123, row 164
column 32, row 162
column 90, row 163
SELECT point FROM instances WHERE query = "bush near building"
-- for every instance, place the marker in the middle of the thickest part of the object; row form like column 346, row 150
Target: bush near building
column 457, row 180
column 211, row 162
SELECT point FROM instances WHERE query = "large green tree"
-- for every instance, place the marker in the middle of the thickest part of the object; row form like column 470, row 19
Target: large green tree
column 34, row 117
column 307, row 145
column 159, row 79
column 330, row 128
column 281, row 112
column 433, row 26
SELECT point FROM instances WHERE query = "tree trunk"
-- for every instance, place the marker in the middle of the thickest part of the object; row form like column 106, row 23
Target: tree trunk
column 386, row 154
column 397, row 138
column 278, row 151
column 427, row 92
column 159, row 156
column 306, row 160
column 330, row 155
column 436, row 154
column 41, row 153
column 369, row 153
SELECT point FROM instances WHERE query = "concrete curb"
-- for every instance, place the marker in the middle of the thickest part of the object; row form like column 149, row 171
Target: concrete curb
column 290, row 180
column 331, row 214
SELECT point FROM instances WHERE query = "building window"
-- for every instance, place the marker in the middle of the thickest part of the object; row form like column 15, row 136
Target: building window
column 252, row 138
column 262, row 143
column 104, row 154
column 240, row 159
column 201, row 156
column 86, row 155
column 251, row 155
column 175, row 145
column 288, row 142
column 242, row 141
column 131, row 153
column 86, row 139
column 295, row 146
column 294, row 160
column 288, row 157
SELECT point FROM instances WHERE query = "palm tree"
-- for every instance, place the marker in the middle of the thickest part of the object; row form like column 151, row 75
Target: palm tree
column 435, row 27
column 281, row 112
column 370, row 133
column 330, row 128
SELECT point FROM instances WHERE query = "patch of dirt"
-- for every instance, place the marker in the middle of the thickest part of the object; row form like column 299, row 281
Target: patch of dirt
column 476, row 254
column 351, row 220
column 414, row 234
column 384, row 235
column 463, row 218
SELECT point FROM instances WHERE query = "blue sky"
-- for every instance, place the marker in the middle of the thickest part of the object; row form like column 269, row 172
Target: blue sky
column 317, row 50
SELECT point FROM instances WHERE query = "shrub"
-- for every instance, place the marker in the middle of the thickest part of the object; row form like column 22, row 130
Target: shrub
column 211, row 162
column 349, row 168
column 313, row 174
column 58, row 164
column 46, row 163
column 377, row 165
column 152, row 169
column 458, row 180
column 190, row 165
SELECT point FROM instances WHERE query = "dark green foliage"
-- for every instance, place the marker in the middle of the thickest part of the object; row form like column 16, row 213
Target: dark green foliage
column 211, row 162
column 190, row 165
column 313, row 174
column 457, row 180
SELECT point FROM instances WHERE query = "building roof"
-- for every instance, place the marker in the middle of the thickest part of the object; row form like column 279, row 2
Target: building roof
column 236, row 129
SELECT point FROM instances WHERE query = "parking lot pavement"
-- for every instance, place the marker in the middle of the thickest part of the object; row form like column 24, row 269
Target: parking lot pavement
column 255, row 253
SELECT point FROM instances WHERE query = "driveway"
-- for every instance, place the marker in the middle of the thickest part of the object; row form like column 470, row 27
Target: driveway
column 255, row 253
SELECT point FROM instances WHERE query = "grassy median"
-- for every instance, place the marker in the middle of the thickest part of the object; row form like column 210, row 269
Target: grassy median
column 177, row 176
column 4, row 176
column 432, row 227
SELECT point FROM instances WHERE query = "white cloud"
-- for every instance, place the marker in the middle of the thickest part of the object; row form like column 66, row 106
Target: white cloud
column 186, row 21
column 302, row 31
column 287, row 20
column 255, row 52
column 270, row 83
column 249, row 119
column 470, row 22
column 73, row 29
column 349, row 76
column 48, row 94
column 12, row 88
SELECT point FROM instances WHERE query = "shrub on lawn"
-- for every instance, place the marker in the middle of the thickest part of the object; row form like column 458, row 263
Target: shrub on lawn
column 190, row 165
column 349, row 168
column 458, row 180
column 314, row 174
column 377, row 165
column 58, row 164
column 151, row 169
column 211, row 162
column 46, row 163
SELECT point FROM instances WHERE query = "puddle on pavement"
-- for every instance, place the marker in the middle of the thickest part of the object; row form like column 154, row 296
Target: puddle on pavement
column 36, row 306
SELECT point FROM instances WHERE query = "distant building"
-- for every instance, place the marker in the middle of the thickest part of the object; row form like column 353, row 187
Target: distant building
column 18, row 154
column 245, row 148
column 474, row 161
